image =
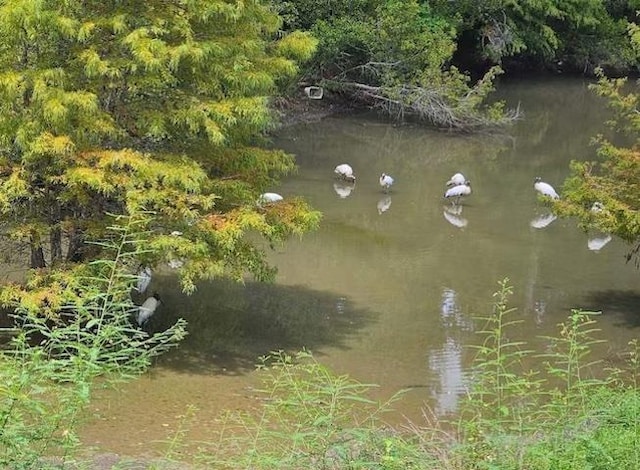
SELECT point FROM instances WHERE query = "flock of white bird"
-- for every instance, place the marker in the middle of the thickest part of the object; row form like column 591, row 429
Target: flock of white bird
column 458, row 187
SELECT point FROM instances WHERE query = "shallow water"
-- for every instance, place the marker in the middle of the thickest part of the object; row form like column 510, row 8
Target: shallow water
column 387, row 288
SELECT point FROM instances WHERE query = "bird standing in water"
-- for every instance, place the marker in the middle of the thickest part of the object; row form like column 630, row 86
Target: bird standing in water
column 147, row 309
column 386, row 182
column 456, row 192
column 345, row 172
column 545, row 188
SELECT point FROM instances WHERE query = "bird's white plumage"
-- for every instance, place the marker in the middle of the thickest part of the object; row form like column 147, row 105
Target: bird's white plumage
column 176, row 233
column 545, row 189
column 147, row 309
column 458, row 191
column 456, row 180
column 597, row 207
column 268, row 198
column 345, row 172
column 144, row 278
column 386, row 181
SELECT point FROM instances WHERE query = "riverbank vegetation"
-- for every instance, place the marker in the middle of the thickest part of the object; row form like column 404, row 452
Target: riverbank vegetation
column 143, row 125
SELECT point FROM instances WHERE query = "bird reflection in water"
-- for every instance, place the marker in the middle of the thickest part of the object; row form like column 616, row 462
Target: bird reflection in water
column 343, row 189
column 452, row 214
column 384, row 204
column 597, row 242
column 543, row 220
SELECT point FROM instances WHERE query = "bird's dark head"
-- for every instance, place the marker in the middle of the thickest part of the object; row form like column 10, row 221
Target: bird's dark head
column 537, row 179
column 156, row 296
column 467, row 183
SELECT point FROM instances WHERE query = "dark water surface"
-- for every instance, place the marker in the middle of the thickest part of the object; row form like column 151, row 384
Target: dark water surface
column 387, row 288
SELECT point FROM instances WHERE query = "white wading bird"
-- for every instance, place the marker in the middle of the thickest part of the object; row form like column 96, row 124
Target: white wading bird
column 456, row 180
column 386, row 182
column 545, row 188
column 597, row 207
column 268, row 198
column 144, row 278
column 147, row 309
column 345, row 172
column 456, row 192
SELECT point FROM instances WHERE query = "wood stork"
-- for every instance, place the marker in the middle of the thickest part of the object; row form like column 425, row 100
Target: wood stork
column 456, row 192
column 268, row 198
column 545, row 188
column 456, row 180
column 386, row 182
column 597, row 207
column 144, row 278
column 345, row 172
column 147, row 309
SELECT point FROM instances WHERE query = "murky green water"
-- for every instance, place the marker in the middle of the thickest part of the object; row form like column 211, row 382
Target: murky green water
column 386, row 289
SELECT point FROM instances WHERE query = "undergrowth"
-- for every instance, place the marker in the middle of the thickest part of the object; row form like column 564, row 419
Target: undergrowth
column 560, row 416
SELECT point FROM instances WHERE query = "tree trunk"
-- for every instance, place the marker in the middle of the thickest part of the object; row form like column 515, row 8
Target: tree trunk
column 55, row 238
column 76, row 243
column 37, row 255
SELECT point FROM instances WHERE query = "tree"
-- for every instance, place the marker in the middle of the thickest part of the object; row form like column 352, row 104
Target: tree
column 394, row 54
column 578, row 34
column 161, row 107
column 614, row 181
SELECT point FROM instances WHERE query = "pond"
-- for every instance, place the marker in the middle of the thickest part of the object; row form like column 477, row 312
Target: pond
column 388, row 288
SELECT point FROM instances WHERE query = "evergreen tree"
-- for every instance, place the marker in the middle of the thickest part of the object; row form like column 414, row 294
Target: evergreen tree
column 122, row 107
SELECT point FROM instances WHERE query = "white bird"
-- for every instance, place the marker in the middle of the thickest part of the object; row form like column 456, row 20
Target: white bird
column 343, row 189
column 458, row 191
column 545, row 188
column 386, row 182
column 596, row 243
column 147, row 309
column 543, row 220
column 144, row 278
column 176, row 233
column 597, row 207
column 456, row 180
column 345, row 172
column 268, row 198
column 384, row 204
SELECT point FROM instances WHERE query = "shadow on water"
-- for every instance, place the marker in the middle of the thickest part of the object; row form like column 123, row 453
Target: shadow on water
column 623, row 303
column 230, row 325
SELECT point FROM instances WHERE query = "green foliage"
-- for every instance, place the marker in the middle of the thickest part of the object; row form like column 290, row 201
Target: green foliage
column 145, row 106
column 614, row 180
column 582, row 34
column 48, row 371
column 311, row 418
column 395, row 55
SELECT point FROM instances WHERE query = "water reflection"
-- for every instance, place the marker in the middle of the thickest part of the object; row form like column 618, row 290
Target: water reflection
column 384, row 204
column 343, row 189
column 452, row 214
column 543, row 220
column 597, row 241
column 446, row 363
